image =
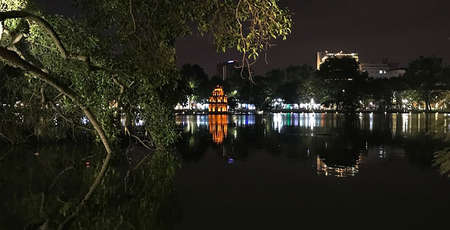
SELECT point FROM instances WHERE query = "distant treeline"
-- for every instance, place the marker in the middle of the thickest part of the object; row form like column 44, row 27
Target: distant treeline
column 338, row 85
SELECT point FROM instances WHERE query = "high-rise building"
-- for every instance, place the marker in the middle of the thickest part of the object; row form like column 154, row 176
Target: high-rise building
column 225, row 69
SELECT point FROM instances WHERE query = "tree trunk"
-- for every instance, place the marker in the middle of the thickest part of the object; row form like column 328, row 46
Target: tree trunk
column 14, row 60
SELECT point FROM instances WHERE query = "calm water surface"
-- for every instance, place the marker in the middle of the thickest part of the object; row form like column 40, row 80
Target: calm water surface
column 277, row 171
column 312, row 171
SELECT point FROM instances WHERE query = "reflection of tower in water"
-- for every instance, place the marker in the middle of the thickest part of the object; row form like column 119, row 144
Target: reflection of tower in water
column 218, row 127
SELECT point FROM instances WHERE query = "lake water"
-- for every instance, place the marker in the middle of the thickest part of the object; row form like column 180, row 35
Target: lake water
column 312, row 171
column 274, row 171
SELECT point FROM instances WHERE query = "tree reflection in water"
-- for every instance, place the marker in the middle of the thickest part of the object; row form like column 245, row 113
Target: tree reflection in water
column 335, row 145
column 41, row 186
column 336, row 170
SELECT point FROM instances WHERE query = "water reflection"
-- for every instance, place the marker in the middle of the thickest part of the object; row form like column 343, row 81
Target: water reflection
column 335, row 170
column 218, row 127
column 333, row 144
column 42, row 185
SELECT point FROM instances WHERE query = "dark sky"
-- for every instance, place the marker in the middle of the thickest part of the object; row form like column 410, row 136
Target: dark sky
column 400, row 30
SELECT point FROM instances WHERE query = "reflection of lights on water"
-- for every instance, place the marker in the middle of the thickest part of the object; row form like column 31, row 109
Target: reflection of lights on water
column 337, row 171
column 277, row 121
column 218, row 127
column 394, row 123
column 244, row 120
column 295, row 119
column 405, row 122
column 371, row 122
column 418, row 121
column 311, row 121
column 445, row 125
column 381, row 152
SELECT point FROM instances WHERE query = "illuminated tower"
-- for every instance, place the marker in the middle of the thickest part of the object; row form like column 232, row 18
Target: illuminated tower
column 218, row 101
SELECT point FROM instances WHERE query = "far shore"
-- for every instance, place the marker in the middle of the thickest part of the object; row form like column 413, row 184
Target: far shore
column 238, row 112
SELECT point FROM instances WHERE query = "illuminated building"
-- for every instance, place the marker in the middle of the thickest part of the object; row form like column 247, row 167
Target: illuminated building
column 218, row 101
column 381, row 71
column 218, row 127
column 323, row 56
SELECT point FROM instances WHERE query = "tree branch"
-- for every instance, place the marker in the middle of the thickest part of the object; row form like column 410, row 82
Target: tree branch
column 41, row 22
column 48, row 28
column 14, row 60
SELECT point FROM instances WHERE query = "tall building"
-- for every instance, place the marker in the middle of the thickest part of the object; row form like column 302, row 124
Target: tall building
column 323, row 56
column 225, row 69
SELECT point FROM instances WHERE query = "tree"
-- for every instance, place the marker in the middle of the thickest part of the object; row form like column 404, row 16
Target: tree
column 197, row 81
column 427, row 77
column 117, row 61
column 343, row 82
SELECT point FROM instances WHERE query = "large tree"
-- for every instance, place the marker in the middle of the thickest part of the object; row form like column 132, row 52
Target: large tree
column 429, row 77
column 116, row 61
column 343, row 82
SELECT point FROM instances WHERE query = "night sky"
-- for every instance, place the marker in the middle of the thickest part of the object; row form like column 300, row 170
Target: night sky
column 400, row 30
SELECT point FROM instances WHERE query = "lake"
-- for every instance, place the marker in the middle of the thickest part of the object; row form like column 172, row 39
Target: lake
column 272, row 171
column 321, row 171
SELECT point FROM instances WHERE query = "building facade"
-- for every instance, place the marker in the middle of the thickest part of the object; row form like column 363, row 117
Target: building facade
column 382, row 71
column 218, row 102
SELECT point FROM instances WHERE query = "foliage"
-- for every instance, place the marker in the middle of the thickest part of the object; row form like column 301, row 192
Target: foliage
column 442, row 160
column 114, row 65
column 123, row 66
column 428, row 77
column 47, row 184
column 343, row 82
column 247, row 25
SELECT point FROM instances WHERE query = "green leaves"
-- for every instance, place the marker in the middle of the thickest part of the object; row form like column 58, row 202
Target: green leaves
column 442, row 160
column 249, row 26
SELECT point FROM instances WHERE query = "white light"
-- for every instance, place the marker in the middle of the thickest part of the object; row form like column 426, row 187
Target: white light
column 84, row 120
